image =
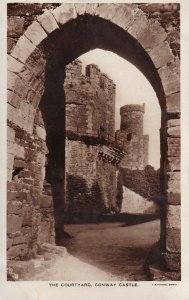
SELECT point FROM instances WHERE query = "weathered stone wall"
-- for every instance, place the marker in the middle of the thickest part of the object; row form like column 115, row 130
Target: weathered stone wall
column 130, row 136
column 30, row 206
column 90, row 101
column 90, row 113
column 90, row 182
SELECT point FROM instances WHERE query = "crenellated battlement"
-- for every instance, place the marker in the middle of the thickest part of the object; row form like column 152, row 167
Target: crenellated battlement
column 131, row 108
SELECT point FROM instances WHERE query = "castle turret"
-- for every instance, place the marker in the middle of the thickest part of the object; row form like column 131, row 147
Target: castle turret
column 130, row 136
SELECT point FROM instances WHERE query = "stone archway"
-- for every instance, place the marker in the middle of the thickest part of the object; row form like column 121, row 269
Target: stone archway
column 57, row 37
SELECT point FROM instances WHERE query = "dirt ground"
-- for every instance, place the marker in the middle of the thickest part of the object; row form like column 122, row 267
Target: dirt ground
column 111, row 251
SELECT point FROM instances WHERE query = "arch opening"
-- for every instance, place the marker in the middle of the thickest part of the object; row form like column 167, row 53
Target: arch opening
column 57, row 50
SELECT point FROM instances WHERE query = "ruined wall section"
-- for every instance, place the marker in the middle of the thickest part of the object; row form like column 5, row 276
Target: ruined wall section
column 90, row 101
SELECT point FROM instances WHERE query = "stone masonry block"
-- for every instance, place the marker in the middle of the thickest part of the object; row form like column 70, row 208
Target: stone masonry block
column 27, row 216
column 23, row 117
column 36, row 62
column 173, row 183
column 10, row 160
column 91, row 8
column 80, row 8
column 64, row 13
column 173, row 123
column 41, row 158
column 14, row 207
column 13, row 99
column 15, row 27
column 152, row 35
column 17, row 251
column 35, row 33
column 173, row 144
column 18, row 150
column 11, row 42
column 10, row 154
column 173, row 103
column 46, row 201
column 106, row 10
column 174, row 198
column 9, row 174
column 11, row 79
column 14, row 65
column 173, row 164
column 174, row 131
column 170, row 77
column 173, row 261
column 14, row 223
column 138, row 25
column 48, row 22
column 19, row 240
column 161, row 54
column 10, row 134
column 173, row 240
column 23, row 49
column 41, row 132
column 124, row 15
column 173, row 217
column 9, row 242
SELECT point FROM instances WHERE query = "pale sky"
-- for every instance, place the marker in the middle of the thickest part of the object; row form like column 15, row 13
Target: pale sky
column 131, row 88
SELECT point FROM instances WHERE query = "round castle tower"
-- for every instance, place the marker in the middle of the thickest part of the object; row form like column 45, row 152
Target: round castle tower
column 130, row 136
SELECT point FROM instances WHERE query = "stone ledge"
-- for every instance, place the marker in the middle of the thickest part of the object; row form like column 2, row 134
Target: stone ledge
column 45, row 247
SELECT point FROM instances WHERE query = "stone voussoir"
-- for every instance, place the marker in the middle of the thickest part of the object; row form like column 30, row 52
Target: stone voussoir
column 48, row 22
column 138, row 25
column 13, row 99
column 14, row 65
column 23, row 49
column 80, row 8
column 106, row 11
column 152, row 35
column 161, row 55
column 35, row 33
column 124, row 15
column 91, row 8
column 64, row 13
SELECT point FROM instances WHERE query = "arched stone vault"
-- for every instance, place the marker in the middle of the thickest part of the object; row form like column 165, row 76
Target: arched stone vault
column 58, row 36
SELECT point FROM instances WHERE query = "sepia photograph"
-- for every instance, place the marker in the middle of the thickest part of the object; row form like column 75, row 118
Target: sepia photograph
column 94, row 163
column 93, row 131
